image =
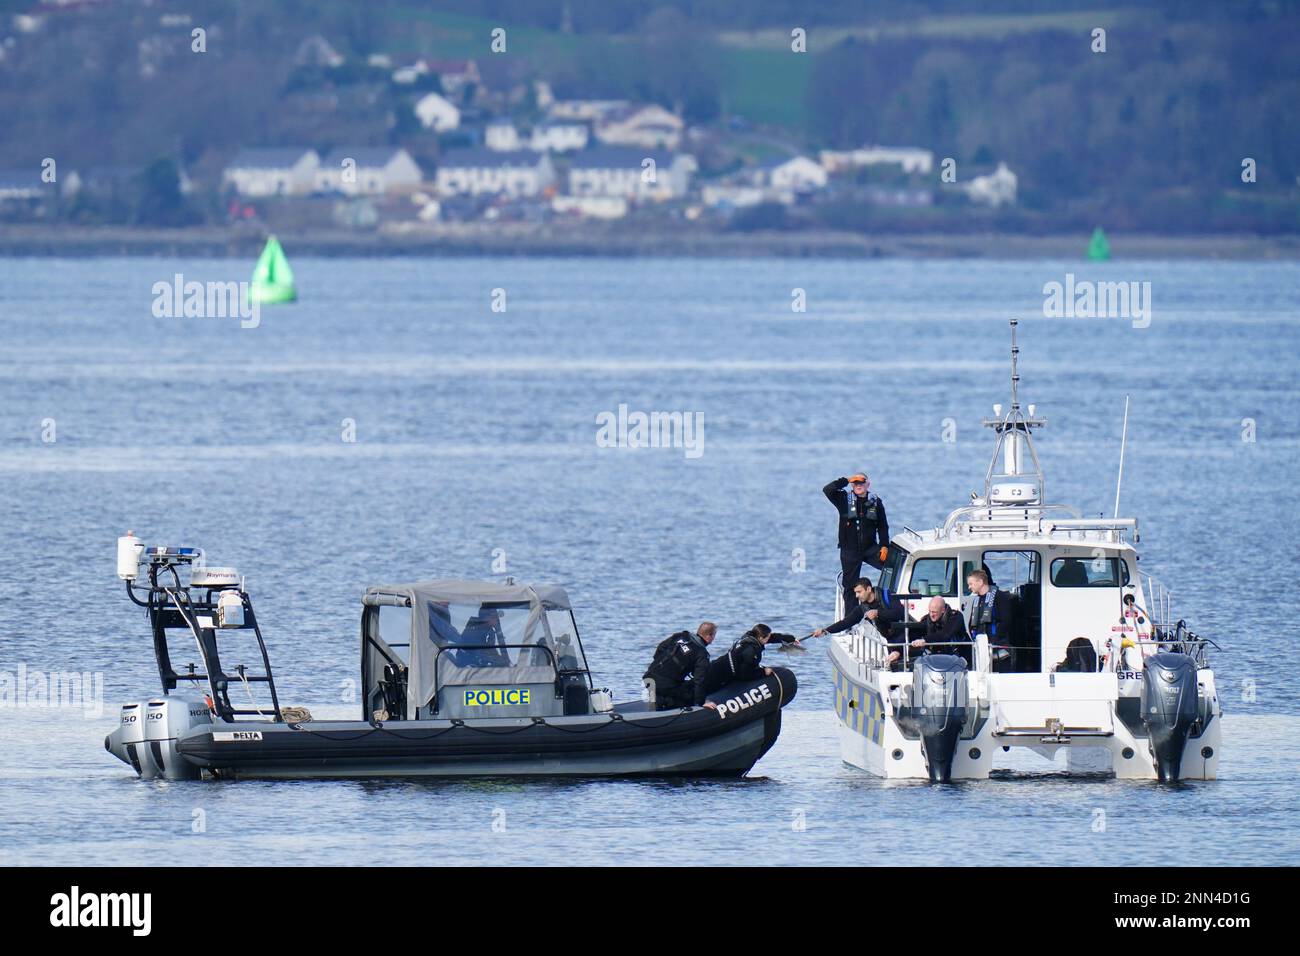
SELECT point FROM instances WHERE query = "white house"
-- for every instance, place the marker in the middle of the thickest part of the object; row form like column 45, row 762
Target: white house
column 23, row 184
column 644, row 125
column 486, row 172
column 630, row 173
column 584, row 111
column 797, row 173
column 368, row 171
column 591, row 207
column 740, row 196
column 273, row 171
column 994, row 189
column 437, row 113
column 500, row 135
column 910, row 158
column 559, row 136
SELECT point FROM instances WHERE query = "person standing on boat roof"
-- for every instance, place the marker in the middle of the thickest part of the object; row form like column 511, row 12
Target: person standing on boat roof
column 988, row 611
column 744, row 662
column 678, row 675
column 863, row 527
column 873, row 606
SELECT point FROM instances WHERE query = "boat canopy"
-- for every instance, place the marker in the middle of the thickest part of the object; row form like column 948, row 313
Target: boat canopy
column 470, row 633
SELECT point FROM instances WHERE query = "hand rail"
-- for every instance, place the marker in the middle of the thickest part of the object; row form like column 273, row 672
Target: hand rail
column 1008, row 511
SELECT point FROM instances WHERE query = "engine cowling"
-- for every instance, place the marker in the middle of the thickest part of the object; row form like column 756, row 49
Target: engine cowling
column 1170, row 708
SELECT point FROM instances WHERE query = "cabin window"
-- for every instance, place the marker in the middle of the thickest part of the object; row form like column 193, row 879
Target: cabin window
column 395, row 630
column 564, row 640
column 890, row 574
column 934, row 576
column 1089, row 573
column 1007, row 569
column 478, row 634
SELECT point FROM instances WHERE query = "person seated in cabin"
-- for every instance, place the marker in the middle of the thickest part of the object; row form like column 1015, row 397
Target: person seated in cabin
column 945, row 632
column 989, row 611
column 1080, row 658
column 441, row 631
column 875, row 609
column 482, row 640
column 678, row 675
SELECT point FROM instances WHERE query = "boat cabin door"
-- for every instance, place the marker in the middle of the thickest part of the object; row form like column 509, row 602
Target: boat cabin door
column 1083, row 597
column 1018, row 572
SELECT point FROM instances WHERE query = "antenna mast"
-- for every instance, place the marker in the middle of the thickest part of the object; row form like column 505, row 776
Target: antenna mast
column 1015, row 368
column 1122, row 443
column 1018, row 482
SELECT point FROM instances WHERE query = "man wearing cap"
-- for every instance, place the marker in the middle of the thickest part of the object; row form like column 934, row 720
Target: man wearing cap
column 864, row 529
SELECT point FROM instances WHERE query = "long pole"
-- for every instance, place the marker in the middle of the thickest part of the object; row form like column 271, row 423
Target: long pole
column 1122, row 443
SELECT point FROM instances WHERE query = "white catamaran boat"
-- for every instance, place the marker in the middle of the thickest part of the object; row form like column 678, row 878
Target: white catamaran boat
column 1102, row 670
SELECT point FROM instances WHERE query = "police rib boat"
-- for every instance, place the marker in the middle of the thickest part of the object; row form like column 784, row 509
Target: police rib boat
column 1087, row 658
column 458, row 678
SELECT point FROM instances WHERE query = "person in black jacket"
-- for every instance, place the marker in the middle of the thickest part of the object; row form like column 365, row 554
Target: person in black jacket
column 990, row 611
column 678, row 675
column 744, row 662
column 863, row 527
column 945, row 632
column 877, row 607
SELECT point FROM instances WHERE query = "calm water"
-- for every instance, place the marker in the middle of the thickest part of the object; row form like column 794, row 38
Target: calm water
column 476, row 439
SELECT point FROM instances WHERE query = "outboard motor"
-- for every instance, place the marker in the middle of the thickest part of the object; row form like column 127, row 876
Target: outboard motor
column 126, row 743
column 1169, row 708
column 937, row 710
column 166, row 721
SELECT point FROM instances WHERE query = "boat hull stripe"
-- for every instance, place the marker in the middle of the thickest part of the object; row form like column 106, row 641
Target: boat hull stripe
column 859, row 708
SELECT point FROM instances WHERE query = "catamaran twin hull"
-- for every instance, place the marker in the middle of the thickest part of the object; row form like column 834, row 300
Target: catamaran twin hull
column 887, row 728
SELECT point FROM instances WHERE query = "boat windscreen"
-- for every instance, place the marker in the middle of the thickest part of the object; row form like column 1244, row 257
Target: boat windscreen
column 483, row 635
column 564, row 641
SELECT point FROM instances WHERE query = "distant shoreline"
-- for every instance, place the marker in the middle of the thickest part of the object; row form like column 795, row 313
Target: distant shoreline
column 605, row 241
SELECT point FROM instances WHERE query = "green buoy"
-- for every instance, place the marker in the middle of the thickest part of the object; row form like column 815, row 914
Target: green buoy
column 1098, row 247
column 272, row 277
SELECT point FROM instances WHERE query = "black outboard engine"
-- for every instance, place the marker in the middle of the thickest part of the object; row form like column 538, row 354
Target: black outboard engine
column 937, row 710
column 1169, row 708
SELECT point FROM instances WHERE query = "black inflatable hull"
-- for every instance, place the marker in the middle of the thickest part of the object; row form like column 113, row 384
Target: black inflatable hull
column 628, row 743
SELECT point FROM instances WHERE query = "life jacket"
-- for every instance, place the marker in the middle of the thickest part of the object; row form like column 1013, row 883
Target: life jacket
column 739, row 646
column 984, row 616
column 673, row 658
column 869, row 515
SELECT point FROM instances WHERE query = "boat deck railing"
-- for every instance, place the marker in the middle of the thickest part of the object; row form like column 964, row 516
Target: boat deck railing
column 1178, row 640
column 871, row 649
column 1159, row 600
column 1036, row 520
